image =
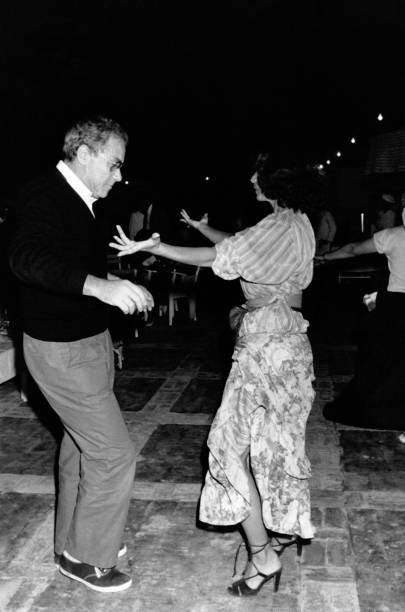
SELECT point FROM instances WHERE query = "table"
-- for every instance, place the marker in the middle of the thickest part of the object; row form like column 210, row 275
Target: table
column 363, row 272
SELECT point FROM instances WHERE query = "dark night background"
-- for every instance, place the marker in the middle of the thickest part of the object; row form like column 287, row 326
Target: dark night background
column 201, row 86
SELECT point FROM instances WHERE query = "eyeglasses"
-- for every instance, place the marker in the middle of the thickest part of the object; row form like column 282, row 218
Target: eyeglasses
column 114, row 165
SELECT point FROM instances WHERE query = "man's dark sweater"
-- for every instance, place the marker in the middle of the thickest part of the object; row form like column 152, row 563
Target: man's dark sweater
column 57, row 243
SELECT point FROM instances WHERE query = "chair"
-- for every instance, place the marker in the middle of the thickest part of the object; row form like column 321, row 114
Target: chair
column 118, row 349
column 183, row 286
column 148, row 276
column 114, row 264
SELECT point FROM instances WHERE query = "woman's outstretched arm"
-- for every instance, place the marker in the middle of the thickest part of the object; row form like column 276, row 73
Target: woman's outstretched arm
column 202, row 226
column 196, row 256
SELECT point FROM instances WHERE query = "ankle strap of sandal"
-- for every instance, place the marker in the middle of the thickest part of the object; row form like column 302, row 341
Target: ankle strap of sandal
column 235, row 563
column 259, row 547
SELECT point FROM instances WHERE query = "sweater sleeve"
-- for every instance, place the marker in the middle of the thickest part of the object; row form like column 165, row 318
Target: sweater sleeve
column 34, row 253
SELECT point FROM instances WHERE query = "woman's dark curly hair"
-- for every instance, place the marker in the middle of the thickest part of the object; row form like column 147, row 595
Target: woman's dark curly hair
column 298, row 188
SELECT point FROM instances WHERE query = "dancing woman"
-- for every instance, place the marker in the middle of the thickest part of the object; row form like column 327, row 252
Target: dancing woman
column 258, row 470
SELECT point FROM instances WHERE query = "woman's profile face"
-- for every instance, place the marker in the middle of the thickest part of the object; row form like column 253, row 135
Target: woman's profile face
column 258, row 191
column 260, row 197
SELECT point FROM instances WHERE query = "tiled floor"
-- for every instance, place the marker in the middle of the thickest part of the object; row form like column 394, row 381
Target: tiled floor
column 169, row 389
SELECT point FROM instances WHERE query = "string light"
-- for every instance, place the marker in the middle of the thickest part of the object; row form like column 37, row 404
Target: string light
column 352, row 140
column 207, row 178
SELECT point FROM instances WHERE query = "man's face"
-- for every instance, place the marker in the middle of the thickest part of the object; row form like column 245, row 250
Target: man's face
column 103, row 168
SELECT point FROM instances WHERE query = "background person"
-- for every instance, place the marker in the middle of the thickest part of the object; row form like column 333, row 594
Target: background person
column 258, row 471
column 325, row 231
column 59, row 258
column 386, row 213
column 374, row 397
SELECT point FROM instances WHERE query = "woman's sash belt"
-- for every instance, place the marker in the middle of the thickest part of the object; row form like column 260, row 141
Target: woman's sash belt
column 293, row 300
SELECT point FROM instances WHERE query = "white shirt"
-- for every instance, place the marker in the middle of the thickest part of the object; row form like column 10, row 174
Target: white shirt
column 391, row 242
column 76, row 184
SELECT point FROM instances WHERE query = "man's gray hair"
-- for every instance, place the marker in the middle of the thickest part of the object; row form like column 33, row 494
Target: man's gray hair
column 93, row 132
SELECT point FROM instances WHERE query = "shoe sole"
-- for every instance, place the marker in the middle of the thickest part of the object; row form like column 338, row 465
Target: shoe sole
column 111, row 589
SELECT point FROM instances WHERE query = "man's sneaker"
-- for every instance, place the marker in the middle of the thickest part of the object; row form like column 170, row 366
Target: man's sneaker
column 96, row 578
column 121, row 553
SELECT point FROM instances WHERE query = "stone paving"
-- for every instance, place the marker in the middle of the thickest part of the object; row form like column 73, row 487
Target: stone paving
column 169, row 390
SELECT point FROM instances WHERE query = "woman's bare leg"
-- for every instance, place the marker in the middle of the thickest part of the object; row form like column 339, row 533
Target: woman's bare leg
column 266, row 560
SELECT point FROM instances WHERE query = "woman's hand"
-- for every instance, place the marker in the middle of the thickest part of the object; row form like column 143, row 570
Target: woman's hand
column 125, row 246
column 193, row 222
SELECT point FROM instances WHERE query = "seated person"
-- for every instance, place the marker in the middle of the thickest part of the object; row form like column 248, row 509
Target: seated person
column 325, row 231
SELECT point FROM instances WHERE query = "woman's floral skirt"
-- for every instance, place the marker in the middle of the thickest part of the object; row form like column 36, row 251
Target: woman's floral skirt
column 263, row 414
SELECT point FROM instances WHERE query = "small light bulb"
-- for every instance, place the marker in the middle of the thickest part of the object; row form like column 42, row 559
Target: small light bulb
column 353, row 140
column 320, row 167
column 126, row 182
column 207, row 178
column 380, row 117
column 328, row 161
column 338, row 154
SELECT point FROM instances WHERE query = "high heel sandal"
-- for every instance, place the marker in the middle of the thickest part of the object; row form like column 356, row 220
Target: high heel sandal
column 279, row 547
column 240, row 588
